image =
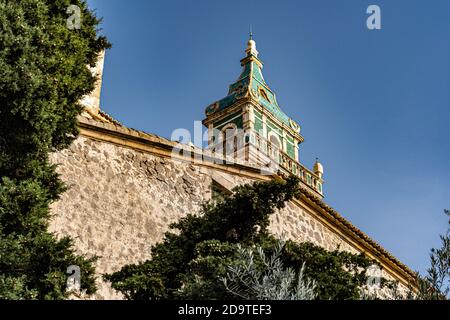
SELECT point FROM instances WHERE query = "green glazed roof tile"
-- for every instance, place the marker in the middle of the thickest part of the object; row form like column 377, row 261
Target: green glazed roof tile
column 251, row 83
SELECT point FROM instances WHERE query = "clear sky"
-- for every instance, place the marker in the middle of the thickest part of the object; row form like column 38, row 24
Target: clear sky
column 373, row 105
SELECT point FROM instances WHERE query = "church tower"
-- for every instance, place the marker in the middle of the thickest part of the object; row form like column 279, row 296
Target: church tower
column 248, row 126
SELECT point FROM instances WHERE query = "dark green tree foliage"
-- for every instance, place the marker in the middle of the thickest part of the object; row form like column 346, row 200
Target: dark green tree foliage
column 196, row 253
column 43, row 74
column 326, row 268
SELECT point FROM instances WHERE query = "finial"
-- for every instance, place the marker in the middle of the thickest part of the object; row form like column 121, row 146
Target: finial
column 251, row 45
column 318, row 168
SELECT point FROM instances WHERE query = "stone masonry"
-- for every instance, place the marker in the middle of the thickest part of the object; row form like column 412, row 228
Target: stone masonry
column 121, row 200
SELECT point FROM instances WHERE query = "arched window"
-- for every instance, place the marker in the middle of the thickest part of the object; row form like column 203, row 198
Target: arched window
column 228, row 131
column 229, row 139
column 275, row 146
column 274, row 140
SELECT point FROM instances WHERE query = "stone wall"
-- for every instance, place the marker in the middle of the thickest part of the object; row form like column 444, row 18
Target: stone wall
column 120, row 201
column 299, row 224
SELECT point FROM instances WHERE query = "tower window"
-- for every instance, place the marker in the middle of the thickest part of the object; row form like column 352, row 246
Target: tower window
column 229, row 131
column 264, row 94
column 274, row 140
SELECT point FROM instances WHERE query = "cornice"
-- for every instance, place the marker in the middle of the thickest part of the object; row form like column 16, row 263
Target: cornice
column 358, row 239
column 153, row 144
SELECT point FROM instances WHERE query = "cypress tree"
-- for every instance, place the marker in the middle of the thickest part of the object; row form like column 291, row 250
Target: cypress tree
column 44, row 72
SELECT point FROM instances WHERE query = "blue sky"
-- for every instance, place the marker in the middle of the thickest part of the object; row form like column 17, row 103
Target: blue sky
column 373, row 105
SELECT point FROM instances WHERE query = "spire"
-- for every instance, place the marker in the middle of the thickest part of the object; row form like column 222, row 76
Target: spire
column 251, row 84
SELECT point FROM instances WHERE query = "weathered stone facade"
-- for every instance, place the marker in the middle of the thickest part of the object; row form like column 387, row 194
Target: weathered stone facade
column 124, row 191
column 297, row 223
column 121, row 201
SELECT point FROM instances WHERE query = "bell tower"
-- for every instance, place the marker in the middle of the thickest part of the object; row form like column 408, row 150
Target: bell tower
column 249, row 126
